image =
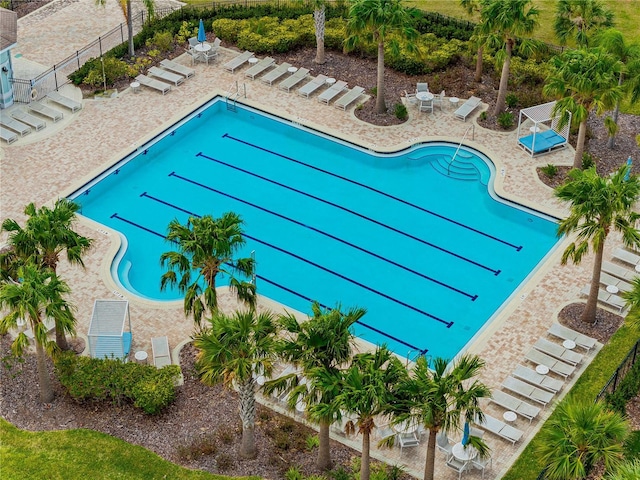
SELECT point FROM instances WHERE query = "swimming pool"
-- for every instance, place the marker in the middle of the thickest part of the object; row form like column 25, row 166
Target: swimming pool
column 418, row 240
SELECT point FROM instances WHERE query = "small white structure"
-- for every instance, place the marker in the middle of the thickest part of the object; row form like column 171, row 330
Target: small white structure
column 110, row 329
column 544, row 135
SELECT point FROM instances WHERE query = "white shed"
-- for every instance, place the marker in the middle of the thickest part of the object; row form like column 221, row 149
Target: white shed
column 110, row 329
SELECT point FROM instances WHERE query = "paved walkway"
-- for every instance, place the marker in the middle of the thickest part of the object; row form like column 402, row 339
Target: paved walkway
column 50, row 164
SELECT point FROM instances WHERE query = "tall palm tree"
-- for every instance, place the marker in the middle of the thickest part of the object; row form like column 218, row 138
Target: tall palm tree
column 579, row 19
column 578, row 435
column 439, row 397
column 47, row 235
column 125, row 5
column 583, row 80
column 319, row 17
column 207, row 246
column 506, row 22
column 598, row 206
column 473, row 8
column 632, row 298
column 319, row 346
column 377, row 21
column 235, row 350
column 368, row 389
column 38, row 294
column 628, row 54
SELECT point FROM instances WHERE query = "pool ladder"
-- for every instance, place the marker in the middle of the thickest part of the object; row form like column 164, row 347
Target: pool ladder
column 233, row 94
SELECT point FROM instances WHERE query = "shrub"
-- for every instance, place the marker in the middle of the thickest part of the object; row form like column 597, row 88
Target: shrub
column 294, row 473
column 550, row 170
column 197, row 448
column 224, row 462
column 401, row 111
column 340, row 473
column 483, row 115
column 627, row 389
column 187, row 30
column 312, row 442
column 511, row 100
column 162, row 41
column 587, row 161
column 91, row 72
column 505, row 120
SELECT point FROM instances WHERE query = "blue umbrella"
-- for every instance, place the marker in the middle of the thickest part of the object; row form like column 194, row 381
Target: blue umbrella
column 465, row 434
column 628, row 174
column 202, row 36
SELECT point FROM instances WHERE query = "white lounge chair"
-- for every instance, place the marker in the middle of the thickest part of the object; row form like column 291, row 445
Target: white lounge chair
column 310, row 87
column 153, row 83
column 288, row 83
column 276, row 73
column 332, row 91
column 607, row 279
column 619, row 271
column 66, row 102
column 514, row 404
column 161, row 352
column 554, row 365
column 45, row 111
column 351, row 96
column 7, row 135
column 626, row 256
column 15, row 125
column 467, row 107
column 558, row 351
column 178, row 68
column 166, row 75
column 498, row 427
column 609, row 299
column 566, row 333
column 238, row 61
column 29, row 119
column 259, row 67
column 527, row 390
column 543, row 381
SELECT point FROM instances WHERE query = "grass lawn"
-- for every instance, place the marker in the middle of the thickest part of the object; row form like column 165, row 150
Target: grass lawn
column 81, row 454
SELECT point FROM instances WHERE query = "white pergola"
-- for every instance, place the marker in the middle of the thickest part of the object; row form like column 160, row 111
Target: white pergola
column 110, row 329
column 544, row 135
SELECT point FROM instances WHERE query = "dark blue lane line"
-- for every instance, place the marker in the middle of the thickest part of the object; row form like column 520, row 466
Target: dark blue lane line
column 352, row 212
column 298, row 257
column 413, row 347
column 321, row 232
column 380, row 192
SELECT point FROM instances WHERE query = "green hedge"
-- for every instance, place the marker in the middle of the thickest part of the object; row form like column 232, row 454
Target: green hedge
column 93, row 379
column 626, row 390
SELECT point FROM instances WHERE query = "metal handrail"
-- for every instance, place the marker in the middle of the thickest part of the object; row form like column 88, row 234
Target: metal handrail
column 473, row 136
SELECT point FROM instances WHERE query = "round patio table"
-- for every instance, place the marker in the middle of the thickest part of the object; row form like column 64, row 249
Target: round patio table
column 464, row 453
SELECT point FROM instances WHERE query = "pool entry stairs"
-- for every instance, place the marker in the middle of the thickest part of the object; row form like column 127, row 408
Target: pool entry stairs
column 460, row 168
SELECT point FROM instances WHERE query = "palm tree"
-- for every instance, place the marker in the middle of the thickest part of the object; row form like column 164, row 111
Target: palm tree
column 505, row 23
column 438, row 397
column 632, row 298
column 368, row 389
column 125, row 5
column 234, row 350
column 629, row 470
column 376, row 21
column 47, row 234
column 320, row 346
column 578, row 19
column 207, row 246
column 37, row 295
column 583, row 80
column 319, row 16
column 579, row 435
column 473, row 8
column 598, row 206
column 628, row 54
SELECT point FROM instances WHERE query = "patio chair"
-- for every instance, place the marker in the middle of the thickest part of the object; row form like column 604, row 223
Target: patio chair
column 410, row 98
column 330, row 93
column 458, row 466
column 7, row 135
column 566, row 333
column 422, row 87
column 166, row 75
column 193, row 41
column 259, row 67
column 426, row 105
column 161, row 352
column 467, row 107
column 619, row 271
column 178, row 68
column 482, row 463
column 276, row 73
column 49, row 325
column 45, row 111
column 444, row 445
column 351, row 96
column 385, row 432
column 193, row 55
column 514, row 404
column 554, row 365
column 211, row 54
column 66, row 102
column 543, row 381
column 609, row 299
column 153, row 83
column 558, row 351
column 408, row 440
column 15, row 125
column 238, row 61
column 527, row 390
column 31, row 120
column 290, row 82
column 439, row 100
column 626, row 256
column 310, row 87
column 499, row 428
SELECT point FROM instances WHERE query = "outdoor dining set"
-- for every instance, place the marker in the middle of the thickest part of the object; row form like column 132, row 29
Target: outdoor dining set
column 426, row 101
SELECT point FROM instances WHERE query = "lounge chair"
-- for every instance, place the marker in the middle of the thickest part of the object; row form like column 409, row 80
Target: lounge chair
column 259, row 67
column 49, row 324
column 609, row 299
column 626, row 256
column 310, row 87
column 351, row 96
column 15, row 125
column 66, row 102
column 288, row 83
column 554, row 365
column 543, row 381
column 166, row 75
column 178, row 68
column 29, row 119
column 609, row 280
column 276, row 73
column 7, row 135
column 498, row 427
column 332, row 91
column 619, row 271
column 238, row 61
column 514, row 404
column 558, row 351
column 566, row 333
column 153, row 83
column 45, row 111
column 527, row 390
column 161, row 352
column 467, row 107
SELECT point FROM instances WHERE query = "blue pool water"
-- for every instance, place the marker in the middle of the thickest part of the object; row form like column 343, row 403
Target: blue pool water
column 416, row 239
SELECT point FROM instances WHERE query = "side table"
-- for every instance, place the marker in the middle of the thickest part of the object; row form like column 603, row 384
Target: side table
column 135, row 87
column 141, row 356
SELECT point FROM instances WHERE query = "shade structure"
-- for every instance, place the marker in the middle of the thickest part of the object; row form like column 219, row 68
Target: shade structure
column 465, row 434
column 110, row 329
column 545, row 133
column 202, row 36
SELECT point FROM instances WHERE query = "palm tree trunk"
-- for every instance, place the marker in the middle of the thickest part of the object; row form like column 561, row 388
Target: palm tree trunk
column 380, row 106
column 61, row 338
column 46, row 391
column 324, row 453
column 319, row 21
column 614, row 117
column 429, row 466
column 504, row 81
column 130, row 29
column 365, row 467
column 246, row 391
column 582, row 135
column 589, row 314
column 478, row 76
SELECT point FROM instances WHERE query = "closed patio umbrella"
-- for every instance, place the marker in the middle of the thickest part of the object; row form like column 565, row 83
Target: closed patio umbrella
column 202, row 36
column 465, row 434
column 628, row 174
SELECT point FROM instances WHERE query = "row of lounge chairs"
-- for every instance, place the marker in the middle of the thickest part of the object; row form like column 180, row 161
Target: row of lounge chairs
column 161, row 79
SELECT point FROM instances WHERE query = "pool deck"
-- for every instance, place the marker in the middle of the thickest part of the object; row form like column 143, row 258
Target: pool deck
column 49, row 164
